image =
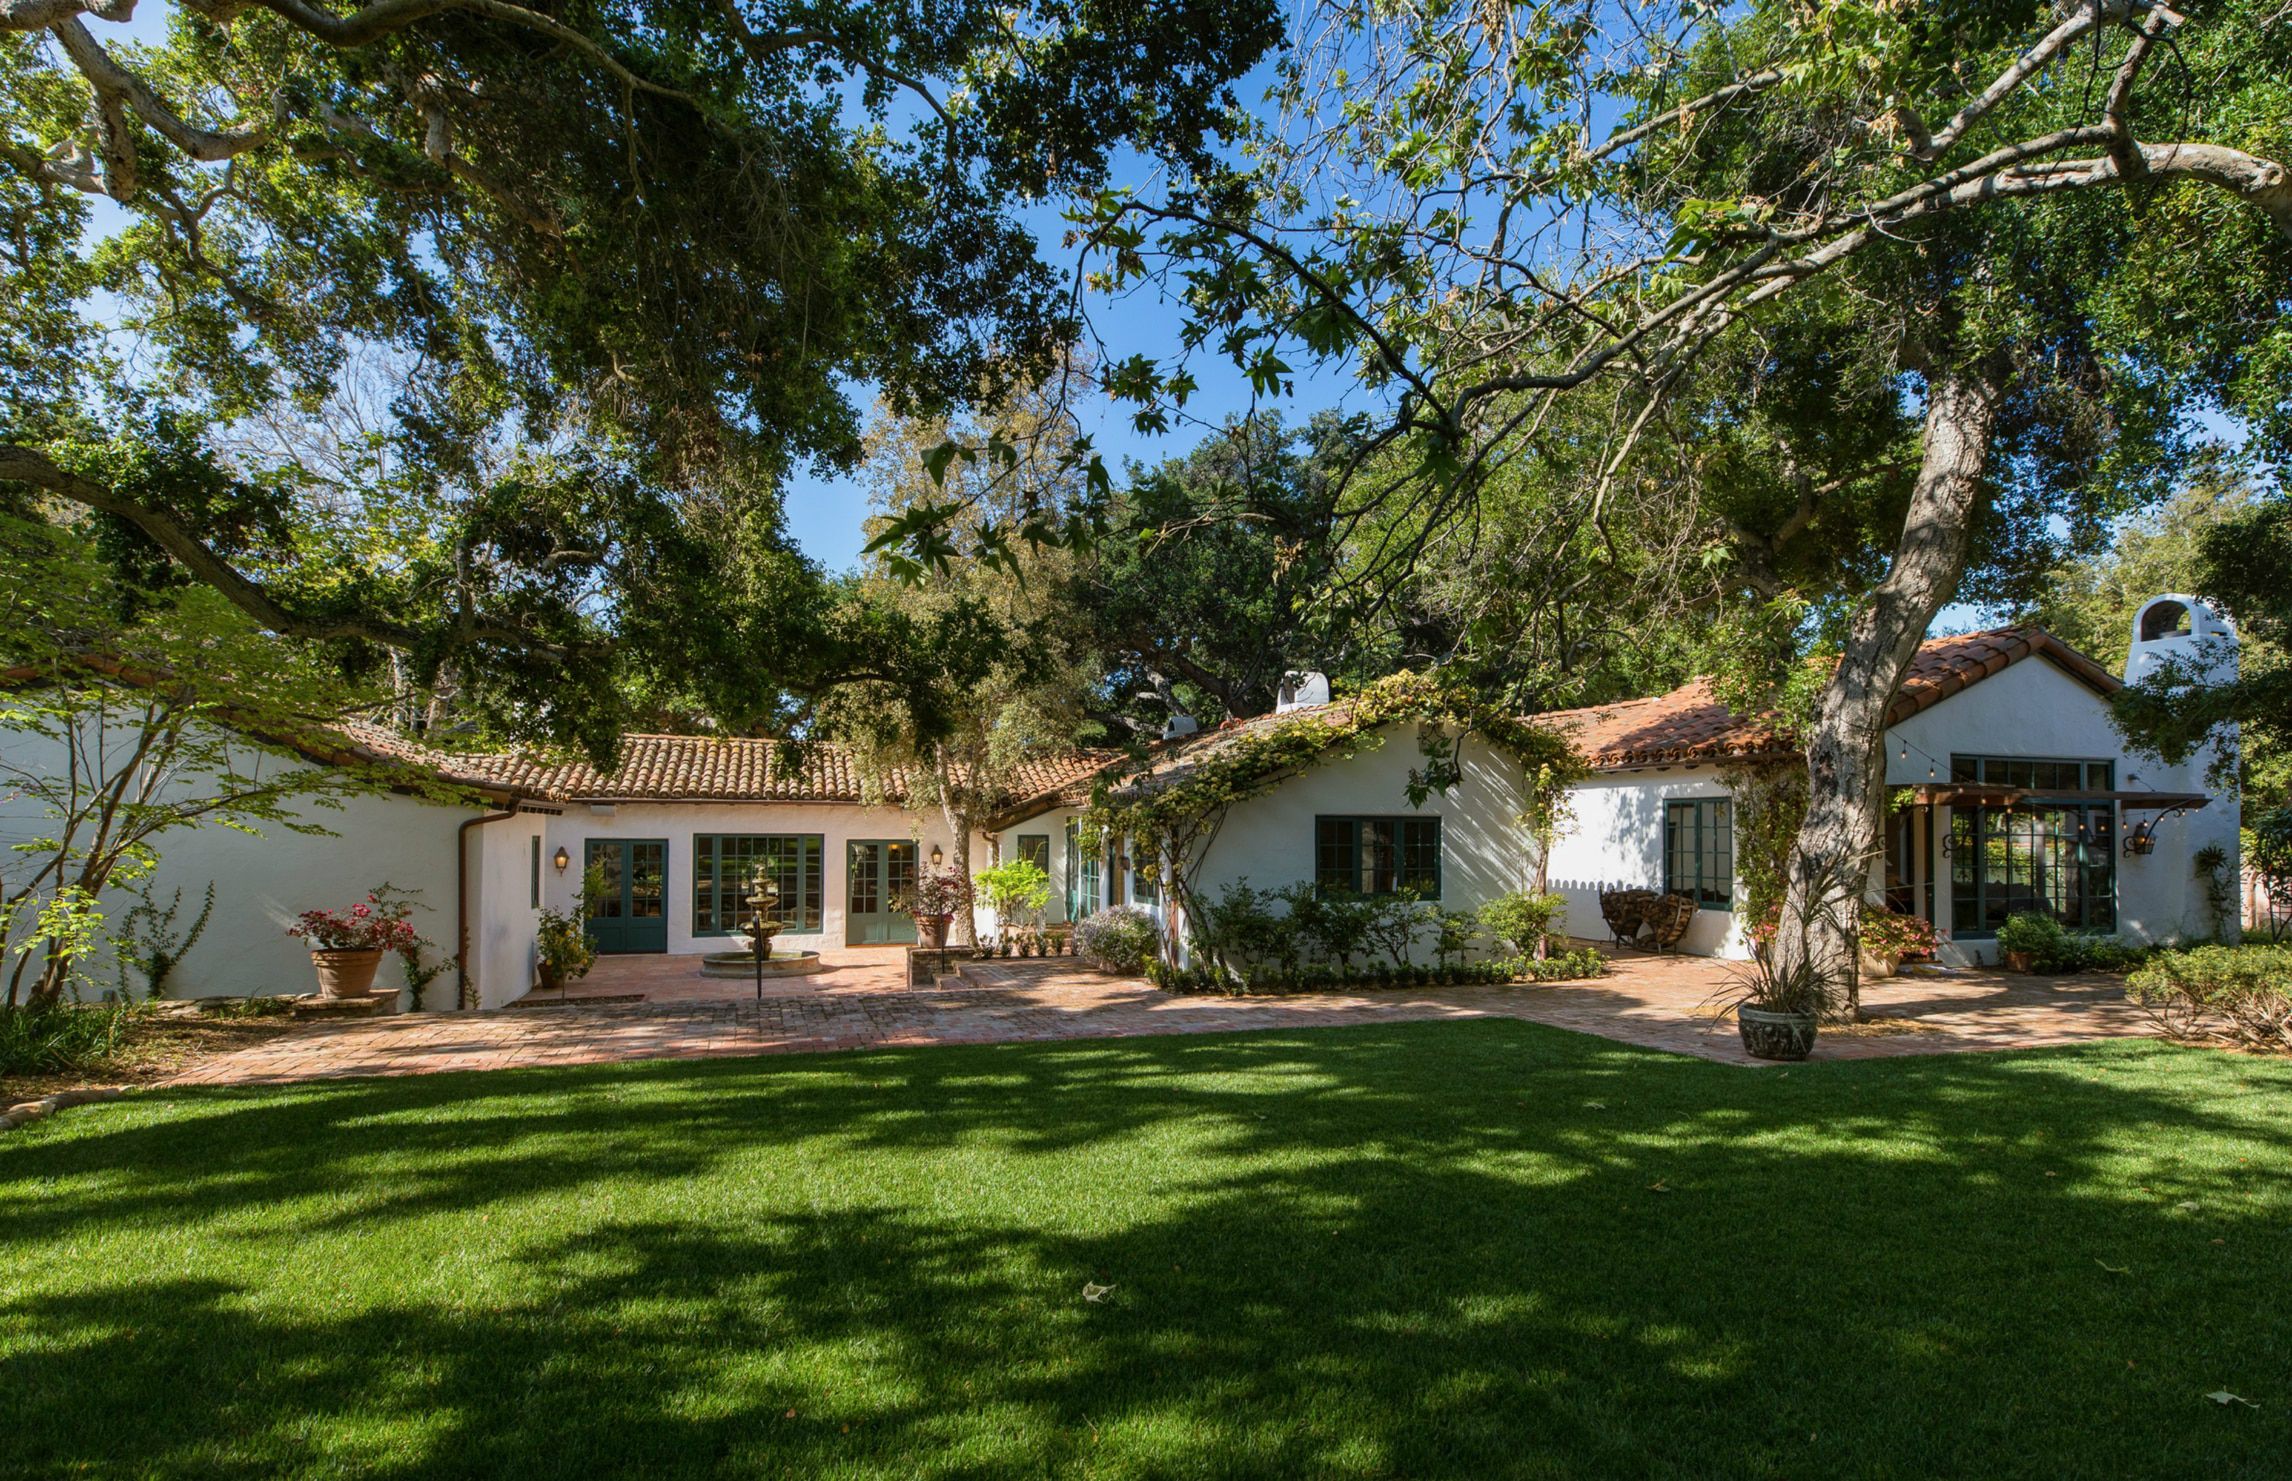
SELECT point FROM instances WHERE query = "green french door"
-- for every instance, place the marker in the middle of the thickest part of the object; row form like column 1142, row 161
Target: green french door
column 1082, row 895
column 631, row 913
column 879, row 873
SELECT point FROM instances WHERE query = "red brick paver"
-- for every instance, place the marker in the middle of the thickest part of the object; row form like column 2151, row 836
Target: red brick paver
column 1662, row 1003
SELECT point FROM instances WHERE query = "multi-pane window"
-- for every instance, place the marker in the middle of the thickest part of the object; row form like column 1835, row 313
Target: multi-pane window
column 2035, row 774
column 1699, row 851
column 1035, row 849
column 724, row 869
column 2050, row 856
column 536, row 871
column 1378, row 856
column 1145, row 887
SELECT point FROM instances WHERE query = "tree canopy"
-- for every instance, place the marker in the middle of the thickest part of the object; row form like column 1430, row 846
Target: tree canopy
column 666, row 240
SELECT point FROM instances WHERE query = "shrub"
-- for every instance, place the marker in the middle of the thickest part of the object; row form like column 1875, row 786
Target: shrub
column 1523, row 920
column 1584, row 961
column 1016, row 891
column 60, row 1038
column 1120, row 938
column 2229, row 994
column 1240, row 931
column 1393, row 922
column 2053, row 947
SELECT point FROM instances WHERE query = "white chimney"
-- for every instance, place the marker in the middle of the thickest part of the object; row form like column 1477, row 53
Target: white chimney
column 1180, row 724
column 1301, row 688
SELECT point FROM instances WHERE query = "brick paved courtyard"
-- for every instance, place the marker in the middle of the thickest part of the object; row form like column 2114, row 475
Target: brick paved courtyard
column 659, row 1007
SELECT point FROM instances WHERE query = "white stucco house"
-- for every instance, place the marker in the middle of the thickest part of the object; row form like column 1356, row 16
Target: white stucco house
column 2014, row 794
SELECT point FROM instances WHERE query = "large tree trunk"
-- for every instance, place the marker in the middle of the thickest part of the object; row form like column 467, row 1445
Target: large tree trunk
column 965, row 931
column 1827, row 874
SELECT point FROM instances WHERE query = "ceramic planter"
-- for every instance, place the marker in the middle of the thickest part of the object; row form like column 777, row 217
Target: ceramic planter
column 2020, row 961
column 1771, row 1035
column 1877, row 966
column 931, row 931
column 346, row 974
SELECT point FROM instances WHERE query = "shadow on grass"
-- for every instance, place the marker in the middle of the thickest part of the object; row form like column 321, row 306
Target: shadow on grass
column 1435, row 1249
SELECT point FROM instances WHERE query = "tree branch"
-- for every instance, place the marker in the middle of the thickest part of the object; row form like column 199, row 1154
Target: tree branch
column 30, row 466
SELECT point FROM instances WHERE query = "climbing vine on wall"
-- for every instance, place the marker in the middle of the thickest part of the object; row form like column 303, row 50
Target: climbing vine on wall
column 1770, row 802
column 1171, row 820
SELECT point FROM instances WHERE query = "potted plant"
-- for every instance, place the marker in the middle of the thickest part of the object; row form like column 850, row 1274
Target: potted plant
column 932, row 904
column 346, row 946
column 1778, row 1008
column 1889, row 938
column 562, row 950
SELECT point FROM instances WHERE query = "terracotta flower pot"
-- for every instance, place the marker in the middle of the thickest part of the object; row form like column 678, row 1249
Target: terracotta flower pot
column 2020, row 961
column 931, row 931
column 1877, row 965
column 346, row 974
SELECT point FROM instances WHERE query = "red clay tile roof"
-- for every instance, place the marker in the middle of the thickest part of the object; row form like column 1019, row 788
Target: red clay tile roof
column 1690, row 725
column 696, row 768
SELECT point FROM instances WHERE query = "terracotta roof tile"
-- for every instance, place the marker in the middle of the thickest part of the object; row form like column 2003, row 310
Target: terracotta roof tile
column 696, row 768
column 1691, row 725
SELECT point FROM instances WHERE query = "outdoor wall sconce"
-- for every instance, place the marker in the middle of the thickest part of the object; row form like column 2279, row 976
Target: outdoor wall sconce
column 938, row 855
column 563, row 860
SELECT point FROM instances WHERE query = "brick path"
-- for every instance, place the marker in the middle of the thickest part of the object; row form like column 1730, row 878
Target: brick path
column 858, row 1003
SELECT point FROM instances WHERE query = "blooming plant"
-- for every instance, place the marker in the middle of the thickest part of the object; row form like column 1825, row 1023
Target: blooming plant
column 374, row 924
column 1888, row 933
column 938, row 891
column 1120, row 938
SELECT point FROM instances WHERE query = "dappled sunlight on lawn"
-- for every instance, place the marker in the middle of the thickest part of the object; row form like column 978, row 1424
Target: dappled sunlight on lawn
column 1457, row 1249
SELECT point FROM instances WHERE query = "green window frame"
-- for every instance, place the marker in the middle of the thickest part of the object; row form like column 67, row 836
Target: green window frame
column 2051, row 856
column 1378, row 855
column 1699, row 851
column 1145, row 889
column 722, row 864
column 536, row 881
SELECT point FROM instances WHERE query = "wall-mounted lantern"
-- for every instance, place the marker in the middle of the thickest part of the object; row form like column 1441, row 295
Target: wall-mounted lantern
column 563, row 860
column 938, row 855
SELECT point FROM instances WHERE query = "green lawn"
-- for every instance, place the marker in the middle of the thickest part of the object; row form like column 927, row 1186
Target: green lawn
column 1458, row 1249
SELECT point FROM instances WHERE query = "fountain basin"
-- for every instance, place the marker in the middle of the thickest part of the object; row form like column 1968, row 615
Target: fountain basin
column 742, row 964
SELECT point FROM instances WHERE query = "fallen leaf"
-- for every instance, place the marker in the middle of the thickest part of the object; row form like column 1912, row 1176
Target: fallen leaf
column 2223, row 1397
column 1092, row 1291
column 1595, row 1105
column 1657, row 1187
column 2112, row 1269
column 2187, row 1205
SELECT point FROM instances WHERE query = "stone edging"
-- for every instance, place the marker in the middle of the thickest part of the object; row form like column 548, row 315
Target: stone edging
column 25, row 1112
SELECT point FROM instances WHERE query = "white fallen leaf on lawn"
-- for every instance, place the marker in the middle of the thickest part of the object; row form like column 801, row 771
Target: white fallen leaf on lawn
column 2187, row 1205
column 2112, row 1269
column 2223, row 1397
column 1091, row 1291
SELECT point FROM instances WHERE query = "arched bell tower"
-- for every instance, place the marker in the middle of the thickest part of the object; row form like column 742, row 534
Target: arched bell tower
column 2183, row 628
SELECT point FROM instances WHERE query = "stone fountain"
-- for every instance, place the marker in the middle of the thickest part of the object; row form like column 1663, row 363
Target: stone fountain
column 760, row 960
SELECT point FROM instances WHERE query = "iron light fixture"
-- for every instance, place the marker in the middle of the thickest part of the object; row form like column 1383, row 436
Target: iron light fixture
column 562, row 860
column 938, row 855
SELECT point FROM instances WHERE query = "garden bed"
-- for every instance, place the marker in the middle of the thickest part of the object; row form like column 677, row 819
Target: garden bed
column 149, row 1046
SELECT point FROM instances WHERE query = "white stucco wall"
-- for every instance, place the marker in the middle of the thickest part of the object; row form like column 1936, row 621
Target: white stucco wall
column 2035, row 709
column 262, row 883
column 1615, row 842
column 678, row 822
column 503, row 919
column 1268, row 840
